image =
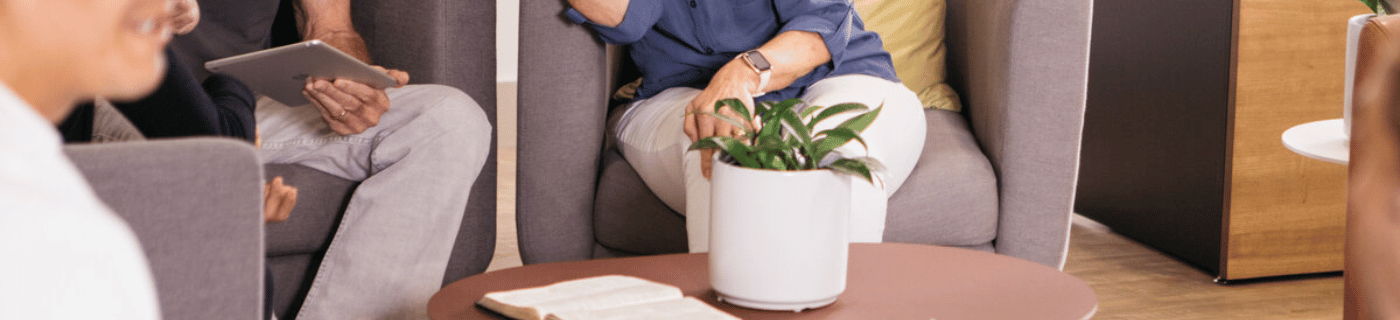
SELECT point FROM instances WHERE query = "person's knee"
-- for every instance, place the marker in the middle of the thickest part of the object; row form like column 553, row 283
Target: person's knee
column 459, row 117
column 455, row 110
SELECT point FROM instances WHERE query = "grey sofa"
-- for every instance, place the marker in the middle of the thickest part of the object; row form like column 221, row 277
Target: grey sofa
column 195, row 206
column 436, row 41
column 998, row 177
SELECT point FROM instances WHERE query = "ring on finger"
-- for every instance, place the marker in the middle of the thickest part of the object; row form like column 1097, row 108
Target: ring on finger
column 341, row 115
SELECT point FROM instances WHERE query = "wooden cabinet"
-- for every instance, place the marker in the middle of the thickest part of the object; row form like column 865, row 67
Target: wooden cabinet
column 1187, row 101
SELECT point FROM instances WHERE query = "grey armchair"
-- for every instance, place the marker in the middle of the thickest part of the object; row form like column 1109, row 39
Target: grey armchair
column 999, row 177
column 195, row 205
column 436, row 41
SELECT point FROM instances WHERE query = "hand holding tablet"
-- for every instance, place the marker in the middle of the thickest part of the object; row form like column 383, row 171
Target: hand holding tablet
column 280, row 73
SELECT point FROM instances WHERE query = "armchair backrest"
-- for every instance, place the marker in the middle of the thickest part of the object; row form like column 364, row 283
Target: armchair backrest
column 562, row 107
column 1021, row 67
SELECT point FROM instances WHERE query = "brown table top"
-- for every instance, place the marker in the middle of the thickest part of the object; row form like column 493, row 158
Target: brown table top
column 884, row 281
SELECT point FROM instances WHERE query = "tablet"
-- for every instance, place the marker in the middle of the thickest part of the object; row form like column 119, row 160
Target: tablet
column 280, row 73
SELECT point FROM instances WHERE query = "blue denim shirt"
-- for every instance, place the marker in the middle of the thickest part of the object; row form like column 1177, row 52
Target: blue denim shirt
column 684, row 42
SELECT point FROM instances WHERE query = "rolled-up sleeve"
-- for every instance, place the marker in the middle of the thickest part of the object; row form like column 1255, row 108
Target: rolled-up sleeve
column 640, row 17
column 832, row 19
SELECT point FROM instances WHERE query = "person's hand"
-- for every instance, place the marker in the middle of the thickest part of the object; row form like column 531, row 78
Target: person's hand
column 350, row 107
column 734, row 80
column 278, row 200
column 184, row 15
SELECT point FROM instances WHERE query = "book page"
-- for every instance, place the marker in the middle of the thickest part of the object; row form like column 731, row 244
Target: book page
column 680, row 309
column 588, row 293
column 624, row 296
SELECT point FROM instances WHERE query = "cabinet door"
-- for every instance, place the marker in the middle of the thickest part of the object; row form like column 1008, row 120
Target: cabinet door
column 1287, row 213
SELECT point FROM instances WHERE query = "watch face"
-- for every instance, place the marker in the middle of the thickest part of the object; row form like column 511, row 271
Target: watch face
column 758, row 60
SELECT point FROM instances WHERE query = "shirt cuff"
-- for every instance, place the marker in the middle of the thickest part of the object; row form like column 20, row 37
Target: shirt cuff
column 575, row 16
column 640, row 17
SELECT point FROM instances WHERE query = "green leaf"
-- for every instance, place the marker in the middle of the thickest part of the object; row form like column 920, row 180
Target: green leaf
column 737, row 106
column 768, row 143
column 771, row 160
column 761, row 108
column 772, row 125
column 835, row 110
column 800, row 129
column 809, row 110
column 853, row 167
column 874, row 164
column 798, row 154
column 781, row 107
column 733, row 147
column 834, row 138
column 730, row 120
column 1373, row 4
column 705, row 143
column 859, row 123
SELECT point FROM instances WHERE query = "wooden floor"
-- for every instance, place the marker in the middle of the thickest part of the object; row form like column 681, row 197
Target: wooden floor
column 1132, row 281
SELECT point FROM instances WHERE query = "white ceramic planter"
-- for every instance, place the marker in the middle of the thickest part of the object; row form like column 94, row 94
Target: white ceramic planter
column 778, row 239
column 1354, row 26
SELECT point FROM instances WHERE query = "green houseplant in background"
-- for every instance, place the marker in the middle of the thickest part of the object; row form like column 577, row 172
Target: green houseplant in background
column 780, row 203
column 1380, row 7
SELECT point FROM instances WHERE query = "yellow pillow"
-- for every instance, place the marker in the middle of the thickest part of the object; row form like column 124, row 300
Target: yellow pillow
column 912, row 31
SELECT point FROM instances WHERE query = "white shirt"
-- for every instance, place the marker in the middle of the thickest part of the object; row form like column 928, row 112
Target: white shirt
column 63, row 254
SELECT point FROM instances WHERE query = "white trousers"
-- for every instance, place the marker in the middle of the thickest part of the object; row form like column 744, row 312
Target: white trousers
column 416, row 168
column 651, row 137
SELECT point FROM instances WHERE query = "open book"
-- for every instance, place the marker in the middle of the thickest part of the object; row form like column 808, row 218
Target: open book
column 611, row 297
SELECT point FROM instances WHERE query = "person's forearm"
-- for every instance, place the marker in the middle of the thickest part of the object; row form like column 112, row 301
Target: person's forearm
column 793, row 54
column 602, row 12
column 329, row 21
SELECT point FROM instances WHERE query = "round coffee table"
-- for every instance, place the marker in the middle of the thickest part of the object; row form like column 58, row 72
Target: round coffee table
column 884, row 281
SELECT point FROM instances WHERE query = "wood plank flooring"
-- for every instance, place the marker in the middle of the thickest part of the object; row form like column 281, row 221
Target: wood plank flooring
column 1132, row 281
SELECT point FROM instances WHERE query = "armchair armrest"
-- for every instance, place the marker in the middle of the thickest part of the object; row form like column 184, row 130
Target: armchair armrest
column 196, row 207
column 562, row 109
column 1022, row 67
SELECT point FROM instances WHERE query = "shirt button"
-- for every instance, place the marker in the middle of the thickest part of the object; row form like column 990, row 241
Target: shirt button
column 709, row 50
column 692, row 3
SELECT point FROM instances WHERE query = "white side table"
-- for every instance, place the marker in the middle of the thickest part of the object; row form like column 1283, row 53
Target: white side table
column 1321, row 140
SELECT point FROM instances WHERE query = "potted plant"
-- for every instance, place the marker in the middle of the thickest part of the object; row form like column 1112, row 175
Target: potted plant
column 1354, row 25
column 780, row 200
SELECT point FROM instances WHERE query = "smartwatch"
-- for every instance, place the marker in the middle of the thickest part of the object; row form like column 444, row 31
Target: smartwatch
column 760, row 65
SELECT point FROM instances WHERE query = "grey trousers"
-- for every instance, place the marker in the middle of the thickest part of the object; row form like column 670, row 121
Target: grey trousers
column 416, row 168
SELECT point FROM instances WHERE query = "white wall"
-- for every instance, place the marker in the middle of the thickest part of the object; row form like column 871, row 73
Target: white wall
column 507, row 39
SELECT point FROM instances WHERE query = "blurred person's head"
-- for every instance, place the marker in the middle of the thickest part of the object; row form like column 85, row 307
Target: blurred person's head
column 56, row 53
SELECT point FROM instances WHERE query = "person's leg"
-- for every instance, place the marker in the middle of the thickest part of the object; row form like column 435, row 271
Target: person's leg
column 895, row 138
column 417, row 167
column 651, row 138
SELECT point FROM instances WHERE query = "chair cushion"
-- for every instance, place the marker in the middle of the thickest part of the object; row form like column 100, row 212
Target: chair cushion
column 918, row 56
column 321, row 201
column 951, row 197
column 628, row 217
column 963, row 212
